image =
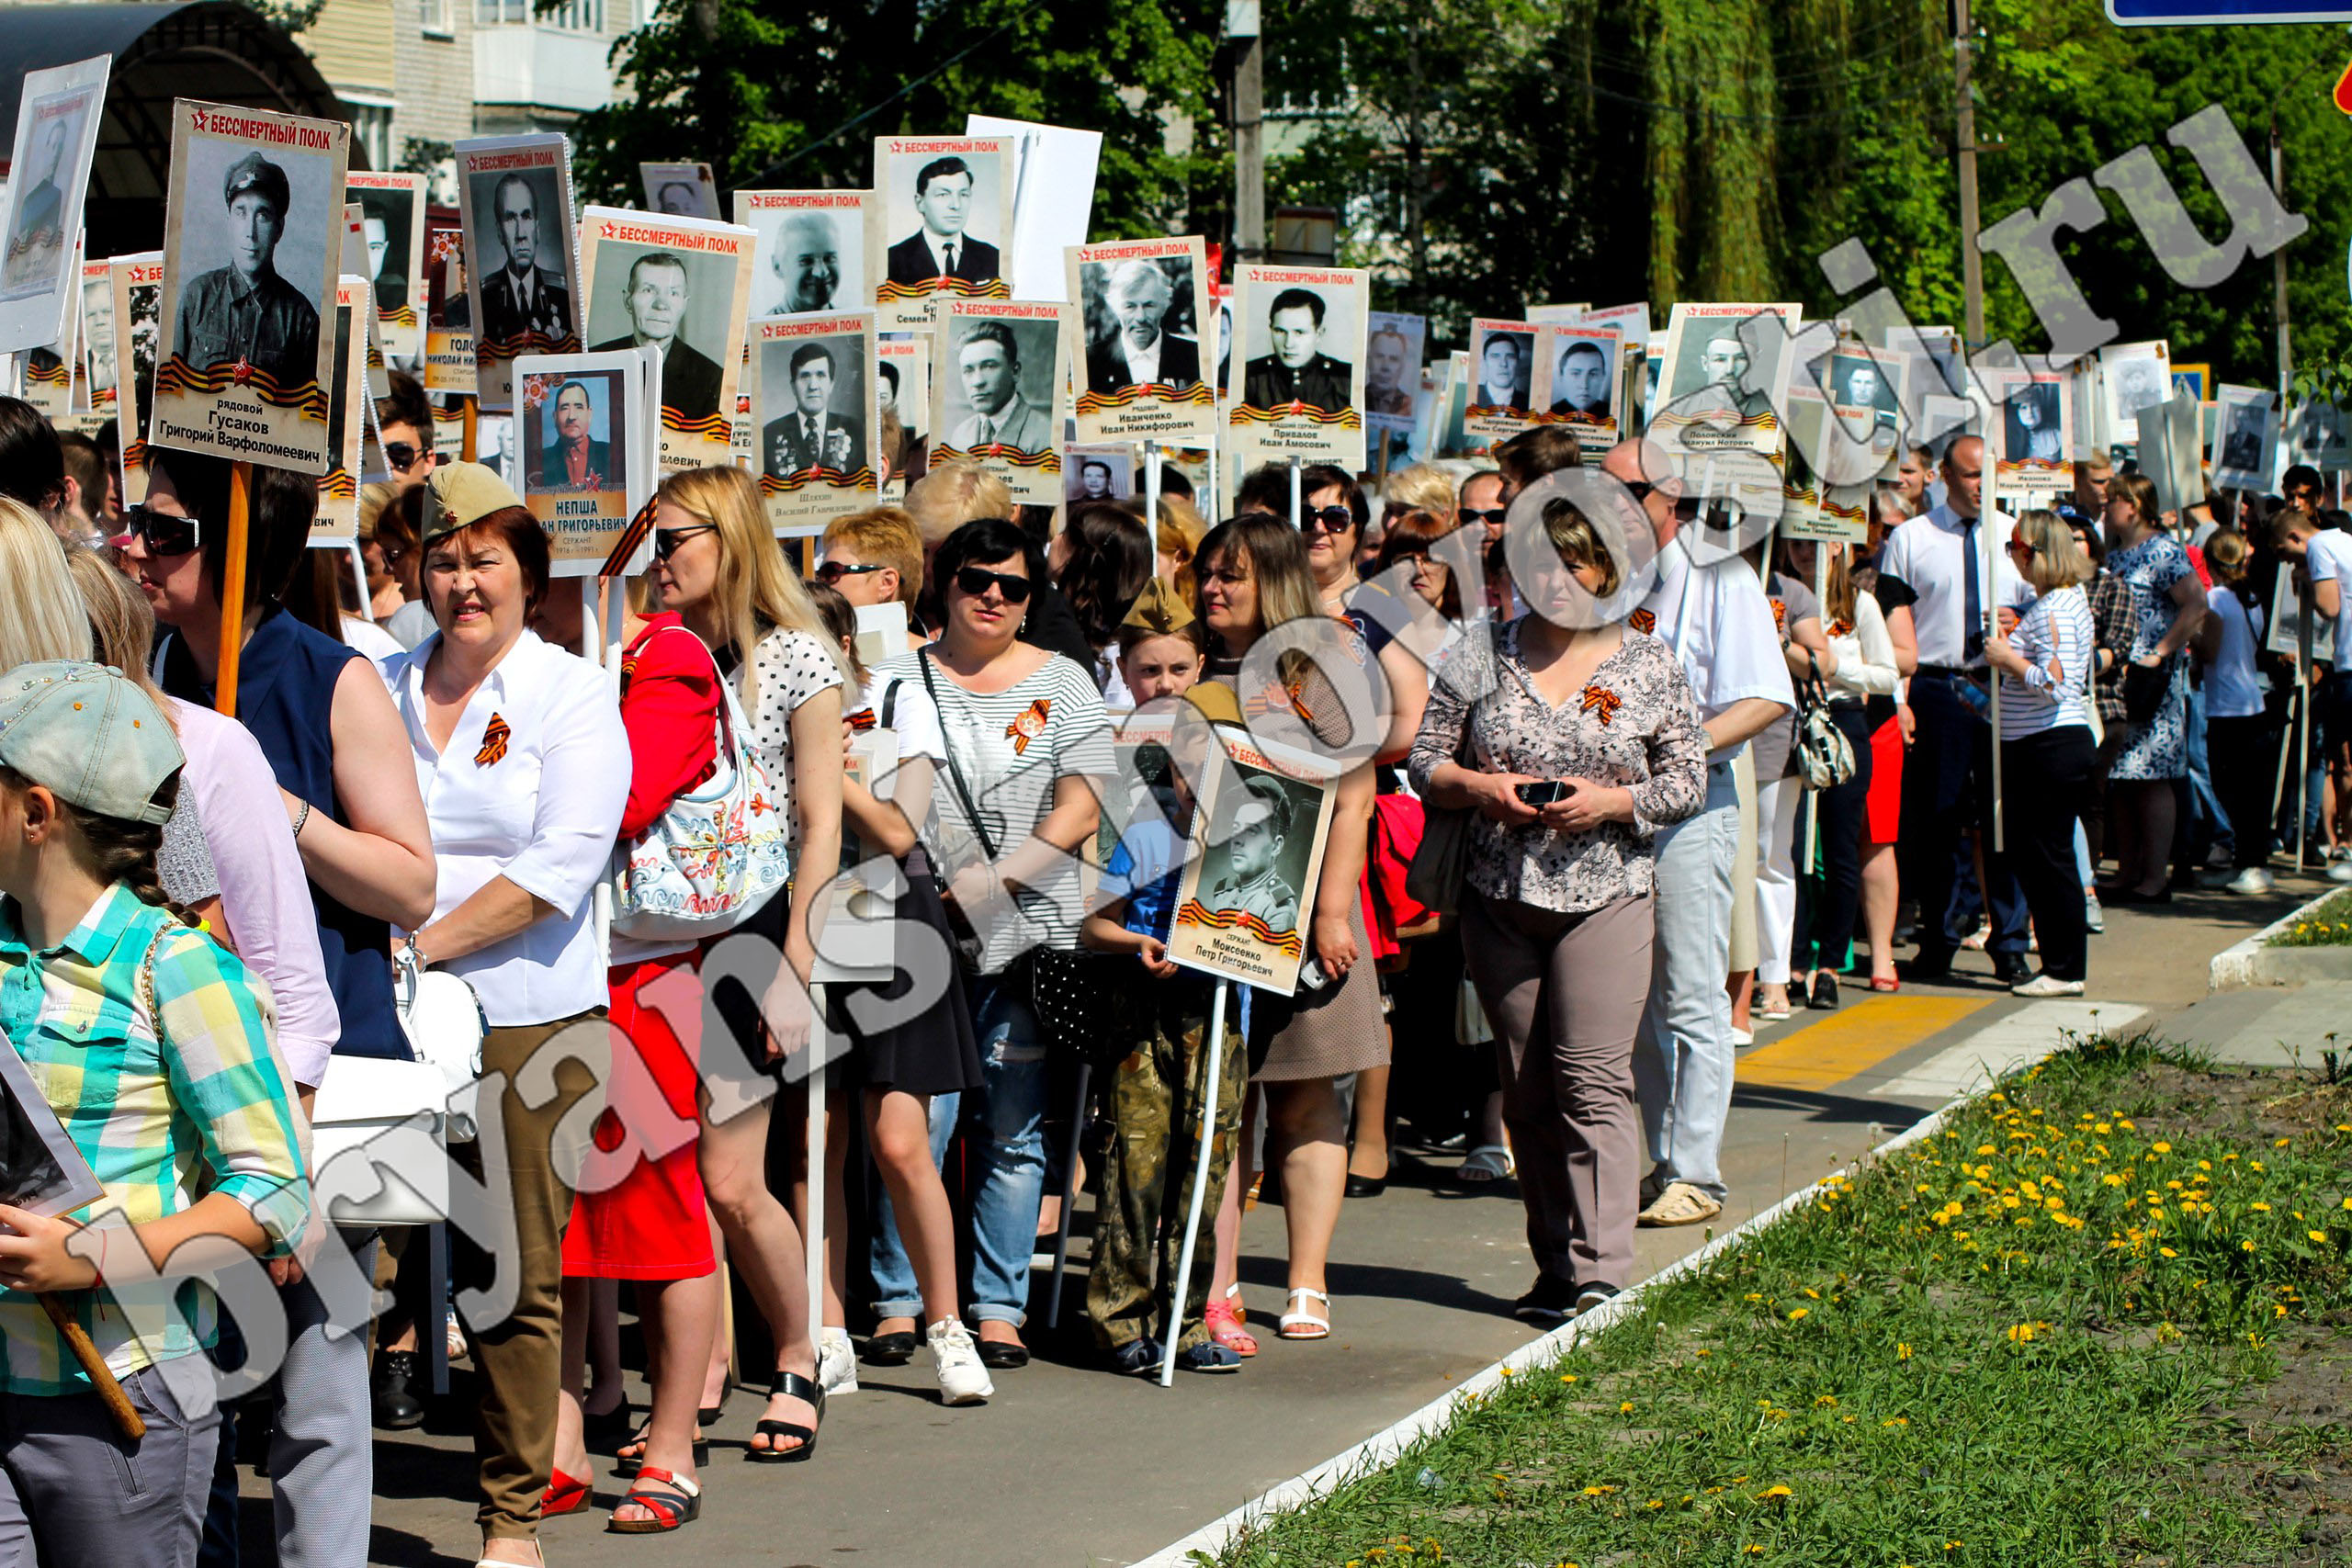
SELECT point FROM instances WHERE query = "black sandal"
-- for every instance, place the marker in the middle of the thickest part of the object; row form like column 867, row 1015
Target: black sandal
column 792, row 1385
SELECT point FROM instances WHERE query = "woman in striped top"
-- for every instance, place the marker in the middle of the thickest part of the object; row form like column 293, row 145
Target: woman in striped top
column 2047, row 755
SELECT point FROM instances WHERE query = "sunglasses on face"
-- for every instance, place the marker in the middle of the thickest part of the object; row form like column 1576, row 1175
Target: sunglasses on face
column 160, row 533
column 400, row 457
column 667, row 541
column 1489, row 516
column 832, row 572
column 975, row 581
column 1327, row 519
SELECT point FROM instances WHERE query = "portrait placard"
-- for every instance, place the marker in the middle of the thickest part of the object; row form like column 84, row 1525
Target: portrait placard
column 253, row 244
column 448, row 315
column 1298, row 363
column 679, row 286
column 681, row 190
column 1393, row 346
column 57, row 131
column 902, row 398
column 809, row 253
column 1554, row 314
column 515, row 200
column 2036, row 411
column 49, row 377
column 1800, row 486
column 391, row 209
column 42, row 1170
column 937, row 223
column 1000, row 394
column 1716, row 392
column 1865, row 388
column 1141, row 305
column 1586, row 385
column 1506, row 361
column 1105, row 471
column 2246, row 454
column 820, row 425
column 137, row 321
column 100, row 372
column 2286, row 629
column 2316, row 435
column 2172, row 450
column 349, row 405
column 1260, row 822
column 1631, row 321
column 2137, row 375
column 587, row 460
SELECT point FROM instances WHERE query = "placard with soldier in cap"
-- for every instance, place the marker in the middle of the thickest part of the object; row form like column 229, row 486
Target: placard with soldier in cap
column 253, row 234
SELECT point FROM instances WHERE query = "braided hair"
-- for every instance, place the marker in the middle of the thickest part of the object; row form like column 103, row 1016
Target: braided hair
column 115, row 850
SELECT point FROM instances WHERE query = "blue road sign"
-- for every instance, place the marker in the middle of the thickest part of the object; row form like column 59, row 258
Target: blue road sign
column 2224, row 13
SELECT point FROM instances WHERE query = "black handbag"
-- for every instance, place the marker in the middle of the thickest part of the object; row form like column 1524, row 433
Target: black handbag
column 2144, row 690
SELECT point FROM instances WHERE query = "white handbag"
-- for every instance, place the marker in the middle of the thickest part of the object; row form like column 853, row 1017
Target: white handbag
column 381, row 1127
column 716, row 855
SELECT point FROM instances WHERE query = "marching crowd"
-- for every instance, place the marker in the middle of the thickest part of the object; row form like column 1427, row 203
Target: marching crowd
column 1625, row 794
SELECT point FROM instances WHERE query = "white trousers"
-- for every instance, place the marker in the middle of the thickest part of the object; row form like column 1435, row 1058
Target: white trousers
column 1776, row 877
column 1682, row 1061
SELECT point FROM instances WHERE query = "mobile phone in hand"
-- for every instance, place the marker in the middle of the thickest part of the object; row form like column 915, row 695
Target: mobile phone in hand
column 1540, row 792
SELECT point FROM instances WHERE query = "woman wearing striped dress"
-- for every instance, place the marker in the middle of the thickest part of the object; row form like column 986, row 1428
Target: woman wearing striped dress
column 2048, row 759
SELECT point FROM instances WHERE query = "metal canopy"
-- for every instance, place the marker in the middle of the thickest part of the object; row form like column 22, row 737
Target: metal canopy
column 214, row 49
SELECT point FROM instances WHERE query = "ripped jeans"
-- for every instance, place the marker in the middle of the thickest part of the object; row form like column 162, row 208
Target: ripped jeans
column 1007, row 1117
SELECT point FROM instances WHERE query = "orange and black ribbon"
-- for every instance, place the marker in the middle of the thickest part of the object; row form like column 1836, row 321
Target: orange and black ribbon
column 1029, row 725
column 494, row 736
column 1602, row 703
column 1643, row 620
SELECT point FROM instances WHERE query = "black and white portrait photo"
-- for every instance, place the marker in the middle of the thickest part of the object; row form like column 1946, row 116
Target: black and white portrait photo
column 1584, row 379
column 2136, row 376
column 573, row 433
column 97, row 333
column 902, row 405
column 522, row 257
column 1506, row 369
column 810, row 256
column 1286, row 360
column 2030, row 425
column 242, row 303
column 2242, row 440
column 1105, row 472
column 947, row 209
column 1141, row 323
column 680, row 191
column 38, row 240
column 1857, row 381
column 653, row 299
column 2246, row 438
column 1716, row 363
column 2318, row 436
column 1392, row 369
column 998, row 385
column 391, row 218
column 813, row 397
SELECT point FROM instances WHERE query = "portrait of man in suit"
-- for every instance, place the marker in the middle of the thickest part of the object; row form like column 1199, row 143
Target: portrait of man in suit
column 811, row 435
column 806, row 261
column 989, row 361
column 1093, row 480
column 941, row 247
column 390, row 276
column 1581, row 380
column 1297, row 370
column 521, row 297
column 679, row 200
column 1386, row 354
column 573, row 461
column 656, row 297
column 2242, row 448
column 1141, row 352
column 1504, row 371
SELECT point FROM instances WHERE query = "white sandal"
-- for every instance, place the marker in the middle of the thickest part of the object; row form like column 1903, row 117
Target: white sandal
column 1309, row 1325
column 1487, row 1161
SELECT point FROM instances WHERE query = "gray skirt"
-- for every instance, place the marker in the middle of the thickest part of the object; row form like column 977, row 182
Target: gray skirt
column 1326, row 1033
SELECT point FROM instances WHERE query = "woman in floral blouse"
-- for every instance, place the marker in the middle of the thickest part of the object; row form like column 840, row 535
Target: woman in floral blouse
column 1556, row 919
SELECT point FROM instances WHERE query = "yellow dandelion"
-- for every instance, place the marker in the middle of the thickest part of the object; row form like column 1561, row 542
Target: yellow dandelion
column 1770, row 1492
column 2166, row 1252
column 1902, row 1351
column 1825, row 1401
column 1798, row 1314
column 2260, row 1208
column 1626, row 1408
column 1567, row 1377
column 2245, row 1246
column 2316, row 1235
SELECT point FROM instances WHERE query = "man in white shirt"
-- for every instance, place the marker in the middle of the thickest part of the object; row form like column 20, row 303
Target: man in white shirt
column 1719, row 623
column 2327, row 557
column 1943, row 570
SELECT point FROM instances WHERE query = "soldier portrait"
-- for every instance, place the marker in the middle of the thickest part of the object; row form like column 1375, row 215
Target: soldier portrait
column 524, row 265
column 248, row 313
column 992, row 364
column 1141, row 324
column 822, row 423
column 36, row 239
column 1254, row 883
column 1293, row 367
column 574, row 454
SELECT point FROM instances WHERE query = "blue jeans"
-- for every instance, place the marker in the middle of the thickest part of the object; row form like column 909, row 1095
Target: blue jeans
column 1007, row 1163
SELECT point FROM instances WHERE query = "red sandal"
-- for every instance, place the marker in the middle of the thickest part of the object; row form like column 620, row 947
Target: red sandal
column 565, row 1495
column 679, row 1505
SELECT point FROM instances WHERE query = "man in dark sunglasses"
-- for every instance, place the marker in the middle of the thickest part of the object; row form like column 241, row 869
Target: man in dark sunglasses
column 408, row 438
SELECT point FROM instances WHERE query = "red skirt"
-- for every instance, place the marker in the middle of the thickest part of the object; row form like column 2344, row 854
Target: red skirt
column 1882, row 807
column 639, row 1213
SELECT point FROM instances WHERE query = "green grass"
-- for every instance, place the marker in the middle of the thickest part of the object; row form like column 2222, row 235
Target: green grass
column 2006, row 1345
column 2330, row 925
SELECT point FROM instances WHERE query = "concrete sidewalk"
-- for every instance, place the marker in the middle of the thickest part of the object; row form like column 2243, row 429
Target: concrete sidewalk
column 1071, row 1466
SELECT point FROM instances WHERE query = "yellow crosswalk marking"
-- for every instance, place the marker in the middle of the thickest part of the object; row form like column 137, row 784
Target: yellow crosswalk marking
column 1855, row 1038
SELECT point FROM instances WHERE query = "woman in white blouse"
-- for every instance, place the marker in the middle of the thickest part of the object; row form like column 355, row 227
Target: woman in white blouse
column 520, row 755
column 1862, row 665
column 2047, row 756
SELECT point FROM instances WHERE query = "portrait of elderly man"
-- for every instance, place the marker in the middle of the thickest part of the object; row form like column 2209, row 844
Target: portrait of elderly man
column 521, row 297
column 806, row 261
column 656, row 297
column 812, row 436
column 988, row 360
column 1297, row 370
column 1581, row 380
column 1385, row 368
column 387, row 271
column 244, row 313
column 1141, row 352
column 573, row 460
column 679, row 200
column 941, row 248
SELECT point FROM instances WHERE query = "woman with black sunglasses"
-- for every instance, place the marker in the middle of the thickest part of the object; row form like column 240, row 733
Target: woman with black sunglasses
column 1028, row 750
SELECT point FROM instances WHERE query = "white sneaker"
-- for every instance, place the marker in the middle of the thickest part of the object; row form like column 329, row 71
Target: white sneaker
column 2046, row 986
column 836, row 1361
column 2094, row 917
column 2254, row 879
column 2340, row 872
column 962, row 1379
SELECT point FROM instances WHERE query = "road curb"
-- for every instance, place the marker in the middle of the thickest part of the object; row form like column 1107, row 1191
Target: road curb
column 1383, row 1446
column 2254, row 962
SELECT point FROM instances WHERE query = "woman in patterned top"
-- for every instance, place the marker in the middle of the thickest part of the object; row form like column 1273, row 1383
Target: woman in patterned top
column 2171, row 601
column 1598, row 724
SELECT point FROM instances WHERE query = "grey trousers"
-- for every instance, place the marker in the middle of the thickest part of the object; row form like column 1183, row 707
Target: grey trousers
column 323, row 1455
column 73, row 1492
column 1565, row 993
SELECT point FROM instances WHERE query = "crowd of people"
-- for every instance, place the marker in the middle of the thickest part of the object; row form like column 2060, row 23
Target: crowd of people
column 1612, row 795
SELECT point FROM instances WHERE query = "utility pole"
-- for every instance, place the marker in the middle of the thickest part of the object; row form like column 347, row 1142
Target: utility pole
column 1971, row 264
column 1249, row 130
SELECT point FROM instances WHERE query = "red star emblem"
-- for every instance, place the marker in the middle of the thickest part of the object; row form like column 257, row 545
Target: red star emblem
column 244, row 371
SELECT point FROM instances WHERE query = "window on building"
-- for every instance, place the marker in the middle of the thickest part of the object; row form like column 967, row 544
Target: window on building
column 492, row 13
column 434, row 16
column 371, row 128
column 578, row 17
